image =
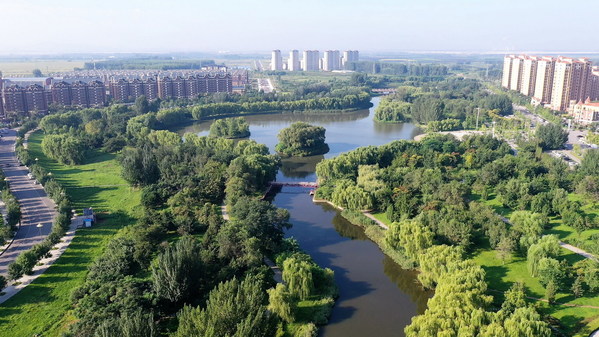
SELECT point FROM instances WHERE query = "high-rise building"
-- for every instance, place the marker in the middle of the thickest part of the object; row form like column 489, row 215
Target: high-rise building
column 96, row 93
column 544, row 81
column 331, row 60
column 570, row 82
column 293, row 63
column 516, row 76
column 507, row 71
column 311, row 60
column 61, row 93
column 594, row 84
column 119, row 90
column 136, row 88
column 150, row 86
column 529, row 75
column 276, row 61
column 14, row 99
column 348, row 57
column 79, row 94
column 35, row 97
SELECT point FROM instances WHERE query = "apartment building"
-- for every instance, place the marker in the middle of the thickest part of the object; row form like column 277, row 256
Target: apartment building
column 553, row 82
column 348, row 57
column 516, row 76
column 544, row 80
column 331, row 60
column 311, row 60
column 293, row 64
column 507, row 71
column 276, row 61
column 570, row 82
column 529, row 75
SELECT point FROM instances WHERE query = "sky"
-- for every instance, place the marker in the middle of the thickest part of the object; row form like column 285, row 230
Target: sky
column 110, row 26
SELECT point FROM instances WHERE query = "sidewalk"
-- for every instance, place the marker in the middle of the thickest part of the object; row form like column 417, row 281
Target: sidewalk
column 42, row 265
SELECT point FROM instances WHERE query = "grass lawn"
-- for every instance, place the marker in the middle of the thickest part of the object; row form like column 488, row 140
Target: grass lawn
column 382, row 217
column 500, row 275
column 44, row 306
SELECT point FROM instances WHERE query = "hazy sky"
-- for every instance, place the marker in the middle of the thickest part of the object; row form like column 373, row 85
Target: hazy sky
column 58, row 26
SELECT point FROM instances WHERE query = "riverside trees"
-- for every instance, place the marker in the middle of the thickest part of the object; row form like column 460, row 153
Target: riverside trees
column 302, row 139
column 427, row 188
column 230, row 128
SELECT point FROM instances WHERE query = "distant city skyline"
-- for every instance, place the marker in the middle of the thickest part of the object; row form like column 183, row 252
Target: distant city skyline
column 145, row 26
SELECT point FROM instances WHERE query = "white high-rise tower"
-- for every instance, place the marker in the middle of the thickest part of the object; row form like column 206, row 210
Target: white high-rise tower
column 293, row 64
column 276, row 62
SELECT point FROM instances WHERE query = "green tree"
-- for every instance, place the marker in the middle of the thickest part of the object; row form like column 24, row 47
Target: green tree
column 141, row 105
column 547, row 246
column 64, row 148
column 176, row 273
column 281, row 302
column 230, row 128
column 37, row 73
column 590, row 163
column 297, row 274
column 302, row 139
column 413, row 237
column 233, row 308
column 435, row 262
column 550, row 292
column 551, row 136
column 138, row 324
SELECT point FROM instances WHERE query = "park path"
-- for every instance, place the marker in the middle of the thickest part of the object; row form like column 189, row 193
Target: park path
column 564, row 245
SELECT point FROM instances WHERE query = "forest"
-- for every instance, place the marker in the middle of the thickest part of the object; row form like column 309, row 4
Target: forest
column 447, row 105
column 435, row 194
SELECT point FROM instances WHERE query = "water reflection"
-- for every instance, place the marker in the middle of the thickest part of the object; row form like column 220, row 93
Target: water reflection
column 300, row 167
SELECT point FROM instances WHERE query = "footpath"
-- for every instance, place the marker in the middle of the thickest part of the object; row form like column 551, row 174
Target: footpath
column 564, row 245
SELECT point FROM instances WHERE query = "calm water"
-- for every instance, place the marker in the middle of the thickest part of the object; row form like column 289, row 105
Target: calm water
column 377, row 297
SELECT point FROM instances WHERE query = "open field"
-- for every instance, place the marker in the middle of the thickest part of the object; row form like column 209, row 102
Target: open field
column 44, row 306
column 24, row 68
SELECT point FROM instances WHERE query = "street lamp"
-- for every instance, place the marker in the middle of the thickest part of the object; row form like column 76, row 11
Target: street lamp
column 39, row 227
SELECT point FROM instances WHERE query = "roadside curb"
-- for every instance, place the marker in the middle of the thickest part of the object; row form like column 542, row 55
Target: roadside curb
column 4, row 248
column 57, row 250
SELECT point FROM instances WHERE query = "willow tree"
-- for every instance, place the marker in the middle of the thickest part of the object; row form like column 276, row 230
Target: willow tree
column 297, row 273
column 281, row 303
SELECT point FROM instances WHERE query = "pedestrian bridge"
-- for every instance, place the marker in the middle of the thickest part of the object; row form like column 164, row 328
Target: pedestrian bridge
column 309, row 184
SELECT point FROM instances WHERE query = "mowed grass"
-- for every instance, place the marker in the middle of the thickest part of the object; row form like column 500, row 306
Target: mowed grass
column 44, row 307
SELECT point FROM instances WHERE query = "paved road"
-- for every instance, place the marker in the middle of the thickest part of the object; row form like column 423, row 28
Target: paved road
column 36, row 206
column 265, row 84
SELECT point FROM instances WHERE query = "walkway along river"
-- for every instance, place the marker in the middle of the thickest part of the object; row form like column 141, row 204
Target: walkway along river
column 377, row 297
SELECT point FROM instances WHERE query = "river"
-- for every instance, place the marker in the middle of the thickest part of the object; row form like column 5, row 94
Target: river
column 377, row 297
